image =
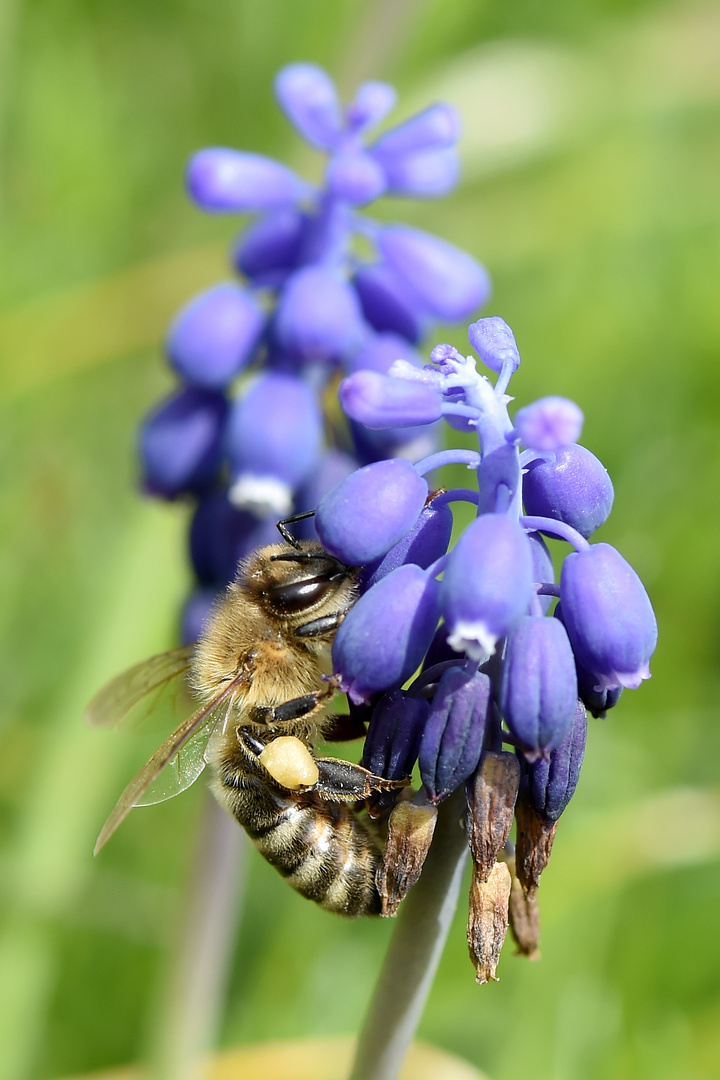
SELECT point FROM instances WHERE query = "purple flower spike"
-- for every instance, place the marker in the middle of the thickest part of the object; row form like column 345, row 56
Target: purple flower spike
column 270, row 249
column 318, row 316
column 574, row 488
column 307, row 96
column 549, row 424
column 538, row 690
column 234, row 181
column 425, row 542
column 448, row 282
column 455, row 731
column 213, row 336
column 393, row 738
column 488, row 584
column 355, row 177
column 181, row 442
column 366, row 514
column 608, row 616
column 388, row 303
column 552, row 780
column 273, row 440
column 371, row 104
column 384, row 636
column 494, row 342
column 379, row 401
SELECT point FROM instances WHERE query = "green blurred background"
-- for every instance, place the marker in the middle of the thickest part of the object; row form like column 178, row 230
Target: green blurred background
column 590, row 190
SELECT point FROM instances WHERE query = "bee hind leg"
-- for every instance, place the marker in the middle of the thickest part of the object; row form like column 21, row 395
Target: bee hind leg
column 341, row 781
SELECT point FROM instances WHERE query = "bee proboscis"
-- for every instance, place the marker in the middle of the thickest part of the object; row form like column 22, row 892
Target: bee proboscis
column 257, row 672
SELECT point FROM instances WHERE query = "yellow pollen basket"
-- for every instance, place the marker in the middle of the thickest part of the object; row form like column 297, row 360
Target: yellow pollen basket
column 290, row 763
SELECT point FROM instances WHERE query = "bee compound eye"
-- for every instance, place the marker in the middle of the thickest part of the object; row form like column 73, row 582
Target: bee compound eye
column 296, row 596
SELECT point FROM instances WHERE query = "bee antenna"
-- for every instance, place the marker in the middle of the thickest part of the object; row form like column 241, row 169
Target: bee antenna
column 285, row 532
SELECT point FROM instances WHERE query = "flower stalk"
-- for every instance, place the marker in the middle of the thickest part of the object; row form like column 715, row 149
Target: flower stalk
column 414, row 952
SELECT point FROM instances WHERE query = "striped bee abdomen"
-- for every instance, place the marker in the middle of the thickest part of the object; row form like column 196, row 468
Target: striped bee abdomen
column 323, row 849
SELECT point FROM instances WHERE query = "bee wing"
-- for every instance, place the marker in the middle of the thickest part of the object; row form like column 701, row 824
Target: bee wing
column 134, row 794
column 185, row 766
column 111, row 705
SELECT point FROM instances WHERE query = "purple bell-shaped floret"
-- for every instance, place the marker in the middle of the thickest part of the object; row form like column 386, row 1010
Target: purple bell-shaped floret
column 221, row 535
column 318, row 315
column 270, row 249
column 379, row 352
column 372, row 102
column 413, row 443
column 379, row 401
column 393, row 738
column 392, row 742
column 274, row 441
column 543, row 570
column 333, row 467
column 354, row 176
column 454, row 733
column 597, row 700
column 488, row 583
column 427, row 175
column 307, row 96
column 573, row 488
column 494, row 342
column 448, row 282
column 388, row 303
column 370, row 511
column 418, row 157
column 552, row 780
column 422, row 545
column 235, row 181
column 538, row 689
column 383, row 638
column 608, row 616
column 181, row 442
column 549, row 424
column 213, row 337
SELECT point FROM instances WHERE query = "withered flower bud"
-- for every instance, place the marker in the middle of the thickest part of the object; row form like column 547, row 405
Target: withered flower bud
column 488, row 920
column 524, row 915
column 410, row 831
column 491, row 794
column 533, row 844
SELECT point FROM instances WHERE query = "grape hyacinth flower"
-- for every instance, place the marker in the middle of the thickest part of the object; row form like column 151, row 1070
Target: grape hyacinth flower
column 255, row 354
column 499, row 669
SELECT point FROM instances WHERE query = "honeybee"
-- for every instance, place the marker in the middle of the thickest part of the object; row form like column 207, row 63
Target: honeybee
column 257, row 673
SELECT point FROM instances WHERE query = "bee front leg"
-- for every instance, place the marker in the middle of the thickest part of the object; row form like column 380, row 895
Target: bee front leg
column 341, row 781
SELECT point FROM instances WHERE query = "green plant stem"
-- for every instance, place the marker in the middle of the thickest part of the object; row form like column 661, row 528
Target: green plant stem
column 194, row 997
column 414, row 952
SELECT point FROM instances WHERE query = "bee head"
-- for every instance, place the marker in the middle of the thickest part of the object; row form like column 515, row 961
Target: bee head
column 304, row 585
